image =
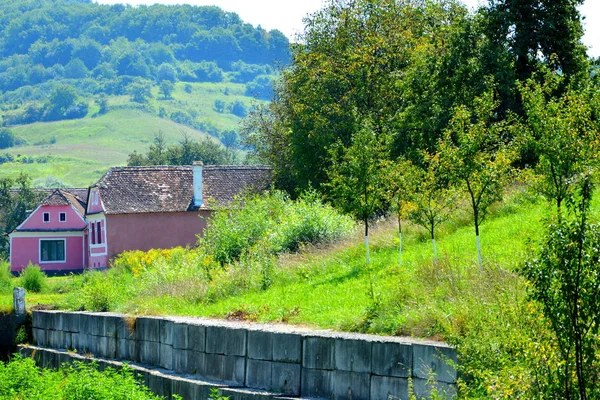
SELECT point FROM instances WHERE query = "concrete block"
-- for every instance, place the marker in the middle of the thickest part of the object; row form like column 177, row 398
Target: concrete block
column 226, row 341
column 260, row 345
column 391, row 359
column 85, row 322
column 385, row 387
column 424, row 389
column 351, row 385
column 196, row 363
column 317, row 383
column 127, row 349
column 230, row 370
column 68, row 340
column 259, row 374
column 149, row 352
column 180, row 361
column 36, row 319
column 318, row 353
column 160, row 385
column 71, row 322
column 39, row 337
column 189, row 389
column 55, row 339
column 286, row 378
column 180, row 336
column 353, row 355
column 126, row 328
column 197, row 338
column 147, row 329
column 287, row 347
column 96, row 325
column 244, row 394
column 436, row 361
column 110, row 325
column 166, row 356
column 166, row 331
column 56, row 321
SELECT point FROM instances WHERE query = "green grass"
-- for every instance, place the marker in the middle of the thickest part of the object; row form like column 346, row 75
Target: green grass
column 79, row 152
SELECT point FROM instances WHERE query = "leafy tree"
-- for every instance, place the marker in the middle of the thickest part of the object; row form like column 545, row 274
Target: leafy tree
column 238, row 109
column 219, row 106
column 357, row 175
column 166, row 89
column 166, row 72
column 564, row 132
column 14, row 206
column 7, row 138
column 76, row 69
column 564, row 277
column 475, row 156
column 61, row 100
column 139, row 91
column 433, row 199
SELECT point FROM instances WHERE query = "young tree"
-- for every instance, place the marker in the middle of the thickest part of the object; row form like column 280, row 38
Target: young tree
column 357, row 175
column 564, row 133
column 433, row 200
column 564, row 277
column 476, row 157
column 402, row 183
column 139, row 91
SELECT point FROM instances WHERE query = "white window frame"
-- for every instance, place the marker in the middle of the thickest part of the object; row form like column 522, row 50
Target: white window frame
column 53, row 240
column 44, row 217
column 60, row 215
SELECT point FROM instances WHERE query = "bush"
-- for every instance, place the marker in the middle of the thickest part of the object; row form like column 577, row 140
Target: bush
column 32, row 278
column 22, row 379
column 276, row 222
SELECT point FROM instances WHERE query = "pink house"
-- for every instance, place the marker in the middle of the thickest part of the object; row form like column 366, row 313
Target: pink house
column 129, row 208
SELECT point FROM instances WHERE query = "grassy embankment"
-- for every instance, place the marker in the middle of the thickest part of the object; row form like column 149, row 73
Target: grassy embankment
column 79, row 151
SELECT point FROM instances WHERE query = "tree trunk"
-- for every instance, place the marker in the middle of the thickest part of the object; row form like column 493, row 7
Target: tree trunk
column 479, row 253
column 367, row 242
column 400, row 238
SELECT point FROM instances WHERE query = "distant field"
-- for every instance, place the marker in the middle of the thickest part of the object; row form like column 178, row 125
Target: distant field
column 79, row 151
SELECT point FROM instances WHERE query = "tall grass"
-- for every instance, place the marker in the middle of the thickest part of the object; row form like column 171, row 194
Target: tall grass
column 6, row 279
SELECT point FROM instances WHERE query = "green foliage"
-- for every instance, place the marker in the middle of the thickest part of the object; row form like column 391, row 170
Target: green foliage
column 6, row 279
column 166, row 89
column 14, row 206
column 21, row 378
column 215, row 394
column 475, row 156
column 7, row 138
column 33, row 279
column 273, row 223
column 565, row 134
column 139, row 91
column 564, row 277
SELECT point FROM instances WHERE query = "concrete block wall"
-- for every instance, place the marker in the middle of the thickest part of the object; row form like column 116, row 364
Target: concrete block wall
column 277, row 358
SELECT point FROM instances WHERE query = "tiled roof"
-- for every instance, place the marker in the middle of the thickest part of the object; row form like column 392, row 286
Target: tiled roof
column 130, row 190
column 60, row 197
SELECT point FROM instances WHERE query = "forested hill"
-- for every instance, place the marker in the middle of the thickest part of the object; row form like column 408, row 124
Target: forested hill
column 83, row 85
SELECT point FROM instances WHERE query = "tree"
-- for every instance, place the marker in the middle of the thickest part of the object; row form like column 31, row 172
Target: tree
column 564, row 276
column 76, row 69
column 474, row 154
column 166, row 72
column 139, row 91
column 14, row 206
column 166, row 89
column 357, row 175
column 433, row 199
column 564, row 132
column 7, row 138
column 402, row 183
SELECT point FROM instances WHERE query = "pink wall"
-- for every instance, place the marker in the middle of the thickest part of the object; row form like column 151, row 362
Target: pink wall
column 36, row 221
column 153, row 230
column 27, row 249
column 94, row 202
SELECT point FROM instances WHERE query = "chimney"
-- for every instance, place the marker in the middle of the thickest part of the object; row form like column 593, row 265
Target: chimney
column 197, row 168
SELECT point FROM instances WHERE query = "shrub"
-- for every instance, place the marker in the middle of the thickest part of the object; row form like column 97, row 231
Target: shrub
column 32, row 278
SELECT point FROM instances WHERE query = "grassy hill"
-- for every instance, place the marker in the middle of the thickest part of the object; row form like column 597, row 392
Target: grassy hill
column 79, row 151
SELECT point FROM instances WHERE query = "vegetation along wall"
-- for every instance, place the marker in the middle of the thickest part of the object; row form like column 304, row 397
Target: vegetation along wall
column 281, row 359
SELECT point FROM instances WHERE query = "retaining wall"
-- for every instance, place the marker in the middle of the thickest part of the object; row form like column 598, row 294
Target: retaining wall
column 277, row 358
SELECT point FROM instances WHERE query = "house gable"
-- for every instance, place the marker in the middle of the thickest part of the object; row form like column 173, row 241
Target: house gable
column 60, row 211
